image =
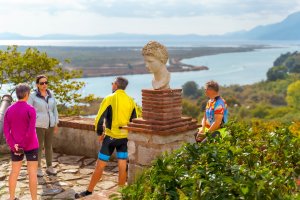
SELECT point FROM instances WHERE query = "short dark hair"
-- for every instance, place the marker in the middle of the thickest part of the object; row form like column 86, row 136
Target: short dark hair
column 121, row 82
column 40, row 77
column 21, row 90
column 212, row 85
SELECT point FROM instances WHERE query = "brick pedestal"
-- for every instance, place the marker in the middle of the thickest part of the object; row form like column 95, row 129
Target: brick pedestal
column 162, row 114
column 162, row 128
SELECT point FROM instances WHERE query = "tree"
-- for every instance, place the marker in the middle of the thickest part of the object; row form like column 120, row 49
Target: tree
column 190, row 89
column 295, row 68
column 277, row 72
column 17, row 67
column 293, row 95
column 189, row 109
column 289, row 60
column 281, row 59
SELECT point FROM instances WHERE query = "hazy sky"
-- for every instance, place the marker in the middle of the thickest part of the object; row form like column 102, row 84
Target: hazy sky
column 91, row 17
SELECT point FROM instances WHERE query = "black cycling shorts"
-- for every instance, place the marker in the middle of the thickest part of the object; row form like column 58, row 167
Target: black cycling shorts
column 31, row 155
column 109, row 144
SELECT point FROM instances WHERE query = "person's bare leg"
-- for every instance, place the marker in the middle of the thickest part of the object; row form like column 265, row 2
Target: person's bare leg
column 32, row 167
column 13, row 177
column 122, row 171
column 96, row 175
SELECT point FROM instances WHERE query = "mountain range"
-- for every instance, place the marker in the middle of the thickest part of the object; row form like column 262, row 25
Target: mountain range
column 288, row 29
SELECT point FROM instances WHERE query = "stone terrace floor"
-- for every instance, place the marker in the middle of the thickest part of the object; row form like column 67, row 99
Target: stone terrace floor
column 74, row 173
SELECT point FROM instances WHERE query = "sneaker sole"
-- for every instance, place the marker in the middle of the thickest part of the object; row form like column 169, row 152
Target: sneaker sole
column 49, row 173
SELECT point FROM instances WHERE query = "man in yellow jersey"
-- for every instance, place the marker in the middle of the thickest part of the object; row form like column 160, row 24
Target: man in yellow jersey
column 116, row 111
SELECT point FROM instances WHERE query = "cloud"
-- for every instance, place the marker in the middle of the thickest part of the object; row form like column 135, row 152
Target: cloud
column 90, row 17
column 187, row 8
column 155, row 8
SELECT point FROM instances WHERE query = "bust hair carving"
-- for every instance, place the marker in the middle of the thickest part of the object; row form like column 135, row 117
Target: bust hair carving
column 156, row 50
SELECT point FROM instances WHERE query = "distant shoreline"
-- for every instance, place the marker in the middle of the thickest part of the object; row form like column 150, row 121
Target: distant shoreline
column 175, row 63
column 97, row 72
column 117, row 61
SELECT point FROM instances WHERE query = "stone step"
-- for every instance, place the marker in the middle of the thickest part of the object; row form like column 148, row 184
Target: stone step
column 161, row 116
column 149, row 102
column 164, row 99
column 165, row 132
column 164, row 106
column 163, row 110
column 159, row 122
column 160, row 113
column 160, row 127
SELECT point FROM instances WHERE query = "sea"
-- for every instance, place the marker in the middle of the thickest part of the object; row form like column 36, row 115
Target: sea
column 228, row 68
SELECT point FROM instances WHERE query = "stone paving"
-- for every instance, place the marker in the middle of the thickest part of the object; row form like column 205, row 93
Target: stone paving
column 74, row 174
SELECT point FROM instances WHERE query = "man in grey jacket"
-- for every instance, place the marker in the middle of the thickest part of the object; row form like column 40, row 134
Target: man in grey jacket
column 46, row 123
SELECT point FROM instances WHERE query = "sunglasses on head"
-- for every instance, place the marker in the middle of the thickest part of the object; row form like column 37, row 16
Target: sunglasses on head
column 43, row 83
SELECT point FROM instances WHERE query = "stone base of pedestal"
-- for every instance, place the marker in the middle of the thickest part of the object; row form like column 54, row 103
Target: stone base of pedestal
column 161, row 129
column 143, row 148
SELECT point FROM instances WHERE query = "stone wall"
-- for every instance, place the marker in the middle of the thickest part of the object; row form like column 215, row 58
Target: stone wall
column 162, row 128
column 143, row 148
column 76, row 136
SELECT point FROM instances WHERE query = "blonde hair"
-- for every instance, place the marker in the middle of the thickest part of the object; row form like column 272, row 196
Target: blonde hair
column 156, row 50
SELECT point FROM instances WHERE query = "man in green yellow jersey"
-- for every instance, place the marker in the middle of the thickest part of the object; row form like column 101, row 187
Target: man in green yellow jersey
column 116, row 111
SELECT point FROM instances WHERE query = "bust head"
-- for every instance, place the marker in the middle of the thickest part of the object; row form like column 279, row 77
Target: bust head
column 156, row 57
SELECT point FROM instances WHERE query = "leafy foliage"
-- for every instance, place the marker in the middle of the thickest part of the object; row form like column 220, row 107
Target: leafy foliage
column 285, row 63
column 189, row 109
column 288, row 59
column 293, row 95
column 277, row 72
column 17, row 67
column 259, row 161
column 190, row 89
column 264, row 100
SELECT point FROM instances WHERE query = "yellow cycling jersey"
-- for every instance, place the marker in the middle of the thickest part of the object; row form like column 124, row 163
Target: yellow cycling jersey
column 116, row 110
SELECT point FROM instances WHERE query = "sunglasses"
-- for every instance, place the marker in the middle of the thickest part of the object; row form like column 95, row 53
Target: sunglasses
column 43, row 83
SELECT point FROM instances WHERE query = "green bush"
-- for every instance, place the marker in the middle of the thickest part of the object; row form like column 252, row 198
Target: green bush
column 190, row 109
column 293, row 95
column 190, row 89
column 259, row 161
column 290, row 60
column 277, row 72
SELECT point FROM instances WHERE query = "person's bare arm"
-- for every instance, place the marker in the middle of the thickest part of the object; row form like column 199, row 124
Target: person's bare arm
column 203, row 123
column 100, row 138
column 216, row 125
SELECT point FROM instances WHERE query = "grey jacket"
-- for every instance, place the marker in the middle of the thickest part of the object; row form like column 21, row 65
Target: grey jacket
column 46, row 109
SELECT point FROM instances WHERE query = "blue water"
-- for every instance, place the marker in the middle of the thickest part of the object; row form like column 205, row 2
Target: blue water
column 229, row 68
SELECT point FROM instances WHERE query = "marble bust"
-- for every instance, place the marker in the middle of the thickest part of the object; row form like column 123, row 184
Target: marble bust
column 156, row 57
